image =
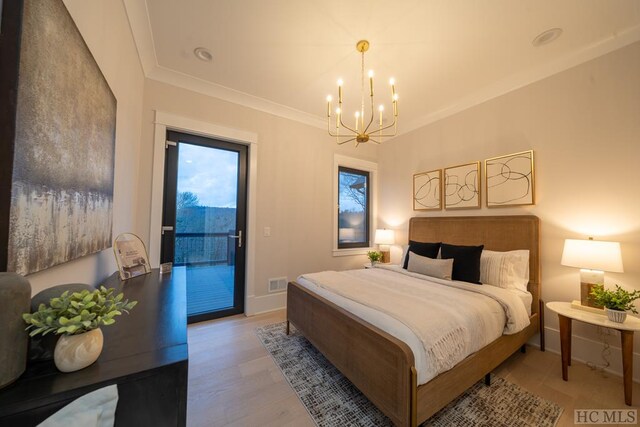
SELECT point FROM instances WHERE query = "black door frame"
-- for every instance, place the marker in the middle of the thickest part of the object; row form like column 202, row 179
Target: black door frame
column 169, row 212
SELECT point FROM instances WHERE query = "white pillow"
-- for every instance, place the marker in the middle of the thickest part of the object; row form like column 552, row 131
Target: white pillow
column 95, row 409
column 440, row 268
column 509, row 270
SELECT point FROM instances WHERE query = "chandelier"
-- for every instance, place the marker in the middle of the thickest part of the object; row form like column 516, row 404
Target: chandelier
column 364, row 130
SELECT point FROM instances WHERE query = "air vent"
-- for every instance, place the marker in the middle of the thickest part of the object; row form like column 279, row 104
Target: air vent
column 277, row 284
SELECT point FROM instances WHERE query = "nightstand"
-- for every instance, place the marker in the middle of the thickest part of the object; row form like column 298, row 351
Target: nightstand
column 566, row 314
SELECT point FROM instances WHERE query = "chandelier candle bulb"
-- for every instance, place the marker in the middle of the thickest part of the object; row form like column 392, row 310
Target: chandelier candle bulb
column 371, row 83
column 329, row 105
column 357, row 116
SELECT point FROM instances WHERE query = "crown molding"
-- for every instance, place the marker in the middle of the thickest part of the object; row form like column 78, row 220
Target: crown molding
column 140, row 25
column 138, row 16
column 529, row 76
column 195, row 84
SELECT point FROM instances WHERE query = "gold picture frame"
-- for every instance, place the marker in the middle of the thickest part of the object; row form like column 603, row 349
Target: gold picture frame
column 427, row 190
column 462, row 186
column 510, row 180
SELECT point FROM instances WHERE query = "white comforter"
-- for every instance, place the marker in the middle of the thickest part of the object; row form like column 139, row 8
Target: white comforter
column 442, row 321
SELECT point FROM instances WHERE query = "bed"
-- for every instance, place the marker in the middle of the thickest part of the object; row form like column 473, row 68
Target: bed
column 382, row 366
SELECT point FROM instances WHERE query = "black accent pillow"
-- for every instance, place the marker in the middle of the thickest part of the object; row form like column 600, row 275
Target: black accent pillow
column 466, row 261
column 429, row 250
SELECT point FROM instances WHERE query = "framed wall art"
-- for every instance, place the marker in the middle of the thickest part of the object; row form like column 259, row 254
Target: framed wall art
column 510, row 180
column 462, row 186
column 427, row 190
column 60, row 145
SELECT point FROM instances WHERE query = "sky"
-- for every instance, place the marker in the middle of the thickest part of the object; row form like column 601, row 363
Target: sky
column 210, row 173
column 346, row 202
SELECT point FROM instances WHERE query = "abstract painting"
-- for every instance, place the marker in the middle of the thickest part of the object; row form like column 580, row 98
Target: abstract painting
column 427, row 193
column 510, row 180
column 62, row 182
column 462, row 186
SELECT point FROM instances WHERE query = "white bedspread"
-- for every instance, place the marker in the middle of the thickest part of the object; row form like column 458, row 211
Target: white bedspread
column 442, row 321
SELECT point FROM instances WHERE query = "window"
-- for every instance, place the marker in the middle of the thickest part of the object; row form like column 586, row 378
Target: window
column 353, row 208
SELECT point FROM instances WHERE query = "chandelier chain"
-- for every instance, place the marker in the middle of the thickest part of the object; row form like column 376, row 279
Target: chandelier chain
column 362, row 91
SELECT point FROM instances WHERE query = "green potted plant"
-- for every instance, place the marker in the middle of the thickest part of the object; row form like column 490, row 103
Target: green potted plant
column 77, row 317
column 616, row 302
column 374, row 257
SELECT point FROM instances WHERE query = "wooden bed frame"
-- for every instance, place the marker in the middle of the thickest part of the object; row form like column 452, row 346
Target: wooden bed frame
column 382, row 366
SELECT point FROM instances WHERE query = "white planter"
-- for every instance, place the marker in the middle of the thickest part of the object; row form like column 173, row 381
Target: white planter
column 75, row 352
column 617, row 316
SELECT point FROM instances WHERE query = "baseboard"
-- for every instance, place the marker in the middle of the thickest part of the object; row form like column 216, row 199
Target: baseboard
column 586, row 350
column 265, row 303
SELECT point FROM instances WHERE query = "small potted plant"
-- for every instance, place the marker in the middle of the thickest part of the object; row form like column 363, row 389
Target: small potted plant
column 616, row 303
column 374, row 257
column 77, row 316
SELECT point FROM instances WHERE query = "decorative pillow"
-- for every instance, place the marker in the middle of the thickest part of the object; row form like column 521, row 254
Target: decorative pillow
column 405, row 252
column 429, row 250
column 440, row 268
column 509, row 270
column 466, row 261
column 95, row 409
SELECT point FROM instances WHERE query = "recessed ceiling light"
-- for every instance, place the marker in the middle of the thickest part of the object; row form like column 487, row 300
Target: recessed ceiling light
column 546, row 37
column 203, row 54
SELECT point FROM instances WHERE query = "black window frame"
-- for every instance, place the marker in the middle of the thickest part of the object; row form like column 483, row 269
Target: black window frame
column 367, row 243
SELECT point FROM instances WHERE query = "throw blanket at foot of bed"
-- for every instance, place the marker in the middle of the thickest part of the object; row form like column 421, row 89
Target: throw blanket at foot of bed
column 450, row 319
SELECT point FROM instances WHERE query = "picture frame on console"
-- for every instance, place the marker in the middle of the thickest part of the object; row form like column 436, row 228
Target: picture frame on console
column 131, row 256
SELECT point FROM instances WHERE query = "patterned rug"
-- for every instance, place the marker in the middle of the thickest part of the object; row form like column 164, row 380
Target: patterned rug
column 332, row 401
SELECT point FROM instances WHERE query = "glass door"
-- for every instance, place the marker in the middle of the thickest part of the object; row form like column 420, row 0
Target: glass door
column 204, row 220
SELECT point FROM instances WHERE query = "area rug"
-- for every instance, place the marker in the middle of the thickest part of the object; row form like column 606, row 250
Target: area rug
column 332, row 401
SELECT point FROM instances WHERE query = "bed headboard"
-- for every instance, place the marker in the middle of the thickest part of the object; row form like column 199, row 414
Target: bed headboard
column 496, row 233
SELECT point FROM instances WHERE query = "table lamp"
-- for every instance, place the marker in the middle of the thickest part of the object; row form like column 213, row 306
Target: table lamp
column 593, row 258
column 383, row 239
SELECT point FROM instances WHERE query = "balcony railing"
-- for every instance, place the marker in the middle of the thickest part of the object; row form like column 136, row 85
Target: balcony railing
column 204, row 249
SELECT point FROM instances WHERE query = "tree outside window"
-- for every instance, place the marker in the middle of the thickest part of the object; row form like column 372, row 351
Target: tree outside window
column 353, row 208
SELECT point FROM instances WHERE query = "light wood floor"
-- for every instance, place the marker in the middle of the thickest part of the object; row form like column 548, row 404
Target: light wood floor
column 234, row 382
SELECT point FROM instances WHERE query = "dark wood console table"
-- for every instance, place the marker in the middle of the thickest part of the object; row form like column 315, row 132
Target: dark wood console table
column 145, row 353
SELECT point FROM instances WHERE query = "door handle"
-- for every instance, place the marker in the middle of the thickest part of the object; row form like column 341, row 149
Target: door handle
column 239, row 237
column 166, row 228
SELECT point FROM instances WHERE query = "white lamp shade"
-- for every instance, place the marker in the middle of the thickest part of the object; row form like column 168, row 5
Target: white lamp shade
column 384, row 237
column 592, row 255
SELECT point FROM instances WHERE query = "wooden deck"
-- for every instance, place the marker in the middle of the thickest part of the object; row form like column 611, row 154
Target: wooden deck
column 209, row 288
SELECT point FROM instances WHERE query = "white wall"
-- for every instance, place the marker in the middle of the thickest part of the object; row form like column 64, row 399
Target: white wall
column 584, row 125
column 294, row 185
column 105, row 28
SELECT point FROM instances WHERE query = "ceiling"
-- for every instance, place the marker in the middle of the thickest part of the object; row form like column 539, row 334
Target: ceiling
column 284, row 56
